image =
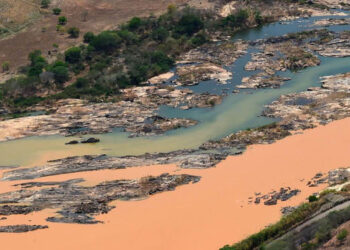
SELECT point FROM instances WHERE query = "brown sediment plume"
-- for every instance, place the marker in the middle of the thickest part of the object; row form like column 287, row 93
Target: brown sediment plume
column 209, row 214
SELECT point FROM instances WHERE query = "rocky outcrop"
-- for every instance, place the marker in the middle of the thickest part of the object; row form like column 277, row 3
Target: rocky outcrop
column 319, row 105
column 224, row 53
column 262, row 135
column 193, row 74
column 262, row 80
column 273, row 197
column 90, row 140
column 277, row 55
column 332, row 178
column 332, row 21
column 182, row 158
column 136, row 114
column 337, row 45
column 206, row 62
column 79, row 204
column 315, row 106
column 20, row 228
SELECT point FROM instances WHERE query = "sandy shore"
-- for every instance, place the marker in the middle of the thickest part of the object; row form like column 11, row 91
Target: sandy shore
column 205, row 215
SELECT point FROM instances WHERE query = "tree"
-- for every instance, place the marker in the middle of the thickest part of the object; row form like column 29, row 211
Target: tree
column 199, row 39
column 45, row 4
column 73, row 32
column 160, row 34
column 61, row 74
column 60, row 71
column 342, row 235
column 81, row 82
column 73, row 55
column 37, row 63
column 88, row 37
column 242, row 16
column 62, row 20
column 106, row 41
column 189, row 24
column 312, row 198
column 33, row 56
column 230, row 20
column 134, row 23
column 161, row 60
column 258, row 18
column 5, row 66
column 56, row 11
column 127, row 36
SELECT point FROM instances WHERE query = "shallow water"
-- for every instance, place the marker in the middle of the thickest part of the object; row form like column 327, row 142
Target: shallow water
column 238, row 111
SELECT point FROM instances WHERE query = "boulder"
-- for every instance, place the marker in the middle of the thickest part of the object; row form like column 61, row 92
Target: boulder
column 72, row 142
column 90, row 140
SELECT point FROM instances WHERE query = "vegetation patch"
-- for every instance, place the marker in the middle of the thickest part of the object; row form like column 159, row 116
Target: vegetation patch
column 115, row 59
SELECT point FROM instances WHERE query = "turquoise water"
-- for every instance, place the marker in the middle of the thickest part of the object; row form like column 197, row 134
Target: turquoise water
column 237, row 111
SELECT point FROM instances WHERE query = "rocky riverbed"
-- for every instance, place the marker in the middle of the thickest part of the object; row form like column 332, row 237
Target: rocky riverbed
column 20, row 228
column 207, row 62
column 284, row 194
column 332, row 45
column 297, row 111
column 136, row 114
column 319, row 105
column 277, row 55
column 182, row 158
column 78, row 204
column 332, row 21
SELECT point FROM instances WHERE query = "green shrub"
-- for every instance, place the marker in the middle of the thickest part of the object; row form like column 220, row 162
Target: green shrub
column 230, row 21
column 73, row 32
column 56, row 11
column 127, row 36
column 199, row 39
column 106, row 41
column 73, row 55
column 162, row 60
column 160, row 34
column 5, row 66
column 342, row 235
column 134, row 23
column 37, row 63
column 241, row 17
column 88, row 37
column 189, row 24
column 27, row 101
column 81, row 82
column 308, row 246
column 275, row 230
column 61, row 74
column 45, row 3
column 62, row 20
column 60, row 71
column 4, row 31
column 258, row 18
column 312, row 198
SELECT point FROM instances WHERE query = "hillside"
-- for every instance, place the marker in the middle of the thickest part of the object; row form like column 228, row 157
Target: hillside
column 38, row 25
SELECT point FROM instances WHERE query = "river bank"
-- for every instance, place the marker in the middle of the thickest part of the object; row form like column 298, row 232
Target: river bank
column 212, row 212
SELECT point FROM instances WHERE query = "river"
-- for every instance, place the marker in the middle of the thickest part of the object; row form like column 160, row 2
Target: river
column 236, row 112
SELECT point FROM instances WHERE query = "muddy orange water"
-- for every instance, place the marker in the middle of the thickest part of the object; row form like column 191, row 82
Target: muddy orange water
column 205, row 215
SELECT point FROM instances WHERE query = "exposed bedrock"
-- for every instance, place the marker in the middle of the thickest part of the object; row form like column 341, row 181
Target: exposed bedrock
column 183, row 158
column 79, row 204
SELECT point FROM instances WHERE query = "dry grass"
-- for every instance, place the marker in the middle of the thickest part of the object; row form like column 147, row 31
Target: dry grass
column 17, row 14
